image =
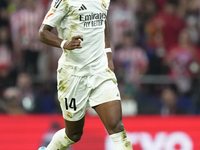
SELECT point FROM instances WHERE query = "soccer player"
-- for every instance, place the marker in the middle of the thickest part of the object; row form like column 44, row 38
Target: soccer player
column 85, row 71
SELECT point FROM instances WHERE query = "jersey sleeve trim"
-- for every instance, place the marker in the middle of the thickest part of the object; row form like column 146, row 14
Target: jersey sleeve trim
column 57, row 11
column 57, row 3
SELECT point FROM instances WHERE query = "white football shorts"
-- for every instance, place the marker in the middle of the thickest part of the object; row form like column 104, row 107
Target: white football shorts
column 77, row 93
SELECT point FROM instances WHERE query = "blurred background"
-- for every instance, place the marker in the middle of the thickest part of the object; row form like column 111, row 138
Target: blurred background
column 156, row 52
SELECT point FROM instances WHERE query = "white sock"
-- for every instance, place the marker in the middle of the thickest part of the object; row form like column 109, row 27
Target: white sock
column 60, row 141
column 120, row 141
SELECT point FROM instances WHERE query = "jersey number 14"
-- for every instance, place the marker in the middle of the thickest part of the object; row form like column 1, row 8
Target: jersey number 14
column 72, row 104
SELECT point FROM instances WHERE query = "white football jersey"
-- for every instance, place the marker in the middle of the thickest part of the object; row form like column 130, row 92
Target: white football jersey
column 81, row 17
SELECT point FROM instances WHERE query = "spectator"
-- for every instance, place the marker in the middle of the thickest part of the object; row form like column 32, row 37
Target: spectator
column 6, row 77
column 13, row 102
column 25, row 24
column 156, row 52
column 183, row 61
column 192, row 17
column 24, row 84
column 146, row 10
column 169, row 103
column 167, row 24
column 122, row 18
column 130, row 60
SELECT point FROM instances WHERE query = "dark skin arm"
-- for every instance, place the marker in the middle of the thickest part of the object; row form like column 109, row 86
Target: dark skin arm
column 49, row 38
column 107, row 45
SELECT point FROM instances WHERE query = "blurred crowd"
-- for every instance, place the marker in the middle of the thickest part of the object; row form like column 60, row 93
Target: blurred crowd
column 155, row 47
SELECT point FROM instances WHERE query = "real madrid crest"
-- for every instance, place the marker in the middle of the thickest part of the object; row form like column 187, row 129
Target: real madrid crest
column 104, row 5
column 69, row 114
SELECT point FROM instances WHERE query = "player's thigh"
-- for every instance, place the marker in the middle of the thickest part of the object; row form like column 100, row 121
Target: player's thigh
column 105, row 99
column 111, row 116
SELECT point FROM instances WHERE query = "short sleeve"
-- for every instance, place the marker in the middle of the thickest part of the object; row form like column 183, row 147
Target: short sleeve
column 57, row 11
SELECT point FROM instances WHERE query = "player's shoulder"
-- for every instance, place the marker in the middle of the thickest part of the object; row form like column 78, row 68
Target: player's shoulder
column 59, row 4
column 99, row 3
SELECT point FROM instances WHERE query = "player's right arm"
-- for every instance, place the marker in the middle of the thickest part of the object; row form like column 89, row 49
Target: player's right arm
column 47, row 37
column 52, row 19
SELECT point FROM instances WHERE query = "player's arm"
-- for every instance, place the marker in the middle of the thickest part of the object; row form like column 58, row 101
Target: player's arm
column 47, row 37
column 107, row 46
column 52, row 19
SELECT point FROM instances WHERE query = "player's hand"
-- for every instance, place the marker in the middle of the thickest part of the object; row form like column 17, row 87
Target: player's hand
column 74, row 43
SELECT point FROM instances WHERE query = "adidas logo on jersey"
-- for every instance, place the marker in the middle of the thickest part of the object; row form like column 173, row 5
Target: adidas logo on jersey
column 82, row 8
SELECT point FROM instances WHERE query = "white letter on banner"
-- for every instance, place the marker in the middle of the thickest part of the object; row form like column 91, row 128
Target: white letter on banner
column 180, row 138
column 148, row 143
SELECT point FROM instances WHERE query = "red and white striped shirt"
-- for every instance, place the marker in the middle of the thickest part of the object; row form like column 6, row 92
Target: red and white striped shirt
column 25, row 24
column 133, row 60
